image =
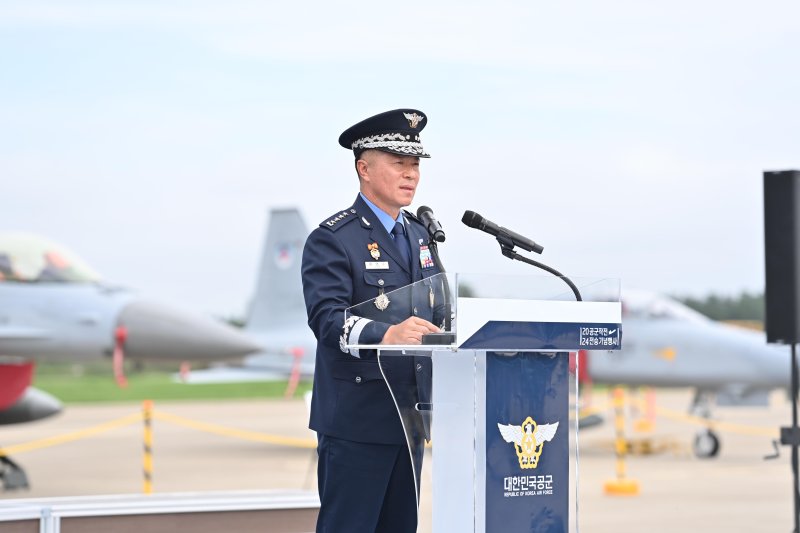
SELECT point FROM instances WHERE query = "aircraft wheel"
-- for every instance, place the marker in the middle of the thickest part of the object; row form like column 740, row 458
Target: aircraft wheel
column 706, row 444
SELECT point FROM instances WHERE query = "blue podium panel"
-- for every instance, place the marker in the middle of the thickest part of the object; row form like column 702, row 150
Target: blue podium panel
column 527, row 442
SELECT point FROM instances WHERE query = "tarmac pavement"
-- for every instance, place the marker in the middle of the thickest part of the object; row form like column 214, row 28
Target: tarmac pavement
column 737, row 491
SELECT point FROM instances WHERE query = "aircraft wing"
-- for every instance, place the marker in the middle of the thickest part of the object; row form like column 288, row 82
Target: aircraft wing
column 23, row 333
column 737, row 396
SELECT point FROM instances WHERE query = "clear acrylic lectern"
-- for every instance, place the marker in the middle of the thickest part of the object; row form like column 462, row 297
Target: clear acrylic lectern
column 485, row 404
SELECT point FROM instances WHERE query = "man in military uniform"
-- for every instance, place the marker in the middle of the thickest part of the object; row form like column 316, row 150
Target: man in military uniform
column 366, row 479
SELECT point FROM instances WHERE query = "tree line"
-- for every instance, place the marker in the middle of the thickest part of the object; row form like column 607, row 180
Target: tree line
column 745, row 306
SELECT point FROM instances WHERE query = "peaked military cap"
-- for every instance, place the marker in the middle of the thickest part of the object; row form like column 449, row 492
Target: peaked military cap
column 396, row 132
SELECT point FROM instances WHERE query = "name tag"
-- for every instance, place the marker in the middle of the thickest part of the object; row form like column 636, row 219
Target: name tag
column 376, row 265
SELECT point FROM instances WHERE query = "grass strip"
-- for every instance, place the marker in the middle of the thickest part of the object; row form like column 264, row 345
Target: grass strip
column 91, row 388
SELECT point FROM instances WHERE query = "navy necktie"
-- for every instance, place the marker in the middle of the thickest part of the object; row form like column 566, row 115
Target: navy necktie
column 399, row 234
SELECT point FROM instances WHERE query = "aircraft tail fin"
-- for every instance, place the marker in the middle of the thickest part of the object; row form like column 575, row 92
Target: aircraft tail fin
column 278, row 302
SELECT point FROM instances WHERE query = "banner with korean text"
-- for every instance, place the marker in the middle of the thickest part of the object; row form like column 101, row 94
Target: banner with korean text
column 527, row 442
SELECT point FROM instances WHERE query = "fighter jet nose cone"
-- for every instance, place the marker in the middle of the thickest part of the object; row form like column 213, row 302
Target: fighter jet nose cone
column 157, row 331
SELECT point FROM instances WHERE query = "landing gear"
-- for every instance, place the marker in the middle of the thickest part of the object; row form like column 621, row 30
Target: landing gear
column 706, row 444
column 12, row 476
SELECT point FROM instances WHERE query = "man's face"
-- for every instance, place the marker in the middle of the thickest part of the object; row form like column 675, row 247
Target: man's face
column 389, row 180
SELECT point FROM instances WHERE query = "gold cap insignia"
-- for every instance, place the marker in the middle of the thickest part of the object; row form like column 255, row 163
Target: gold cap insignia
column 413, row 119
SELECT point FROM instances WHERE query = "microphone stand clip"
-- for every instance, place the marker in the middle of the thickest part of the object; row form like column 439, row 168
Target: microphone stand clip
column 446, row 337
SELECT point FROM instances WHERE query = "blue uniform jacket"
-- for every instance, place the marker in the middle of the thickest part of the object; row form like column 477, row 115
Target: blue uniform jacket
column 351, row 399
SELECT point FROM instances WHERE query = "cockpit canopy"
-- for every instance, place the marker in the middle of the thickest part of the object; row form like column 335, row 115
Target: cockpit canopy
column 645, row 304
column 30, row 258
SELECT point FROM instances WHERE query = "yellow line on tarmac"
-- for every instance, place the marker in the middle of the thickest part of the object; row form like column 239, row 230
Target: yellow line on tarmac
column 70, row 437
column 236, row 433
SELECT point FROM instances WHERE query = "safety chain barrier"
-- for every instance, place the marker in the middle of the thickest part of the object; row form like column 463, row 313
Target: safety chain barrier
column 147, row 458
column 147, row 415
column 295, row 442
column 621, row 484
column 225, row 431
column 72, row 436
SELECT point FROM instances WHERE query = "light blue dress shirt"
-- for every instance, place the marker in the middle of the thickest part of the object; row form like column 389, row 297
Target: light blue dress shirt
column 384, row 218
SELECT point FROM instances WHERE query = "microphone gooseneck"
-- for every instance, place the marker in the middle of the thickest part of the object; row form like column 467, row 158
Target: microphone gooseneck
column 509, row 239
column 436, row 234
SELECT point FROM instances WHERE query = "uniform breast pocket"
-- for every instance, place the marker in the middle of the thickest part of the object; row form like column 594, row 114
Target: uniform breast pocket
column 385, row 280
column 385, row 302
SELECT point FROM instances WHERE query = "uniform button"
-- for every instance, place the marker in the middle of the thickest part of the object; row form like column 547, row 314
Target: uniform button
column 380, row 282
column 419, row 367
column 415, row 311
column 358, row 379
column 353, row 211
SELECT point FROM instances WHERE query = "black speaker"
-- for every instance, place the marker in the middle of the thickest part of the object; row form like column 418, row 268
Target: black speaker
column 782, row 255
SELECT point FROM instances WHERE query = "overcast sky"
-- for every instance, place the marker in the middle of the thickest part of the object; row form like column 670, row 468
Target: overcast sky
column 627, row 137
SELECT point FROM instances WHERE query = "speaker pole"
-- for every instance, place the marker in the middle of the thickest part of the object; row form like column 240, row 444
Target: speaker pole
column 794, row 440
column 782, row 292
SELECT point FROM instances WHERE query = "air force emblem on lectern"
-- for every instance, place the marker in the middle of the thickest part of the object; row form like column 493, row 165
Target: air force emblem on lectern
column 528, row 439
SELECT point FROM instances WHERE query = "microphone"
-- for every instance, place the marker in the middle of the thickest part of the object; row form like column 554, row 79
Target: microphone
column 425, row 215
column 474, row 220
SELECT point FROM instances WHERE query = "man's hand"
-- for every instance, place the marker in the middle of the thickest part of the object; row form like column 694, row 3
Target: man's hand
column 409, row 331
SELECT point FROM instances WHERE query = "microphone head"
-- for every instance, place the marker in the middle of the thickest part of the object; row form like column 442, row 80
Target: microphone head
column 471, row 219
column 425, row 214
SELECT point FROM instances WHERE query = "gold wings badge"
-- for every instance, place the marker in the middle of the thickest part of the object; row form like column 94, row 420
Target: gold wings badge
column 413, row 119
column 528, row 440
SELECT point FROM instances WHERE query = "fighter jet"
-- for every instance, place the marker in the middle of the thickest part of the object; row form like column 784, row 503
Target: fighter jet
column 277, row 313
column 666, row 344
column 54, row 307
column 276, row 317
